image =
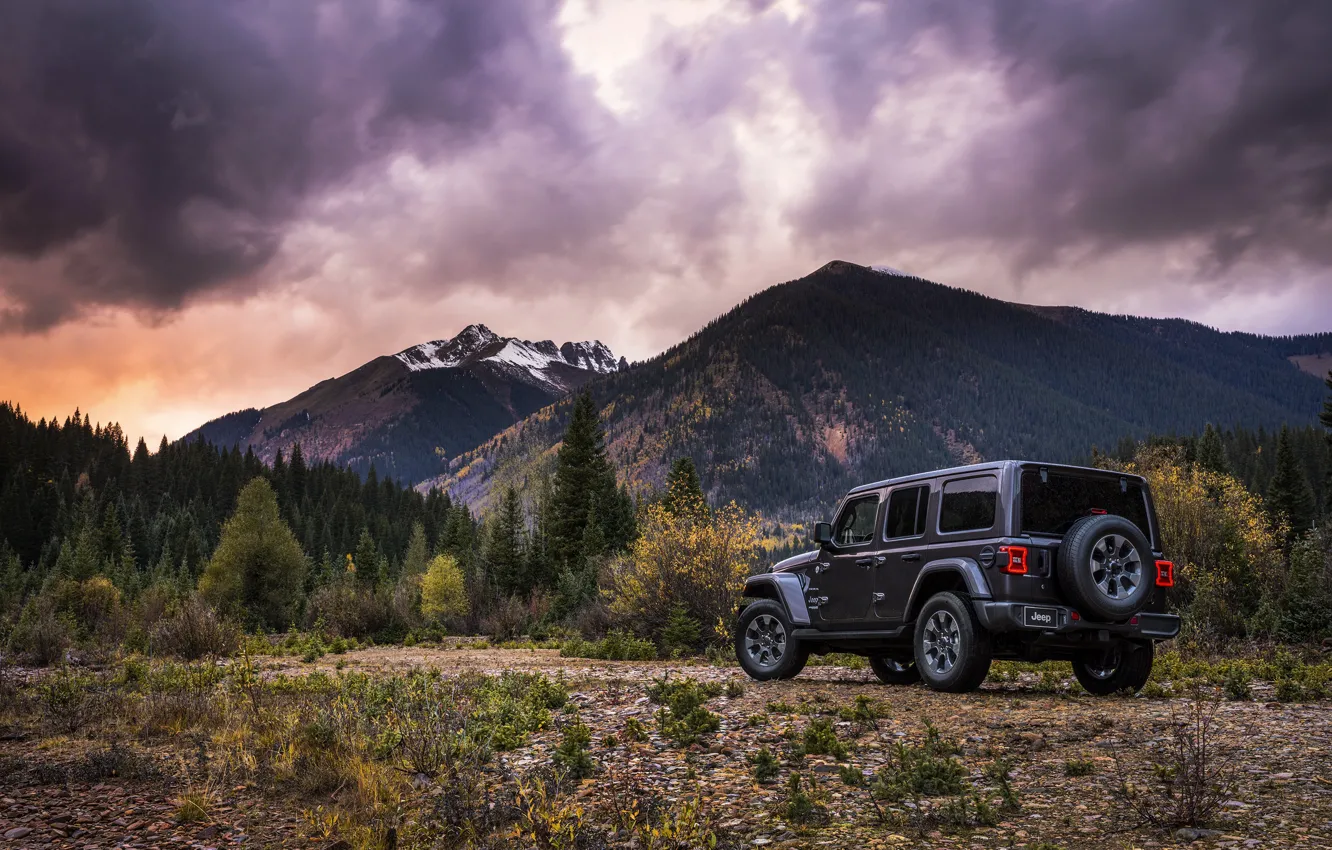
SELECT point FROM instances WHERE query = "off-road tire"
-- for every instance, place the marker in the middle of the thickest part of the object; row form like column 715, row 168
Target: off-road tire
column 1132, row 671
column 1081, row 579
column 949, row 636
column 894, row 671
column 787, row 657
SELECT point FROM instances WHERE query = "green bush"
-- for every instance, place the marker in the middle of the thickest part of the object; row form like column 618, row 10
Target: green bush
column 1237, row 682
column 616, row 646
column 928, row 769
column 1079, row 767
column 571, row 756
column 681, row 635
column 803, row 806
column 765, row 766
column 683, row 717
column 821, row 740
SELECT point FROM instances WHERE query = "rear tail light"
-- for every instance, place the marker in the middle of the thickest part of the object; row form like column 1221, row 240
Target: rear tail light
column 1074, row 616
column 1165, row 574
column 1017, row 560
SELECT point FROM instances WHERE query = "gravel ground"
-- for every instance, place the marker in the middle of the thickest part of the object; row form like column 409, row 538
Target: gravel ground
column 1282, row 754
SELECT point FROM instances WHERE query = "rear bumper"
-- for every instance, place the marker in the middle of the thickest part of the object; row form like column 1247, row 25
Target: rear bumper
column 1013, row 617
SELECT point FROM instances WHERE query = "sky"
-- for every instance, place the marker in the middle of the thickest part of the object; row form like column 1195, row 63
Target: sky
column 207, row 206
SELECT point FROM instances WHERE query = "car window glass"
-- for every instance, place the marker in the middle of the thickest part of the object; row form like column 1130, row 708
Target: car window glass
column 968, row 504
column 856, row 523
column 906, row 514
column 1051, row 506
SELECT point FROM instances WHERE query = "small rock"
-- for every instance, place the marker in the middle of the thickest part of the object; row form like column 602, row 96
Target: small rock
column 18, row 832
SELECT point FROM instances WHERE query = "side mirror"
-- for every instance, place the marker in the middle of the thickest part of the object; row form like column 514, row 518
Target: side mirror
column 823, row 533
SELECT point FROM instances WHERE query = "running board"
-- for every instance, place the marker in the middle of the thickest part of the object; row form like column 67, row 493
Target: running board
column 875, row 634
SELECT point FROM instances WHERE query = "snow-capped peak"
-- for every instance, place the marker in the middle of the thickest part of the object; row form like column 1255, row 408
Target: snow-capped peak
column 535, row 362
column 890, row 270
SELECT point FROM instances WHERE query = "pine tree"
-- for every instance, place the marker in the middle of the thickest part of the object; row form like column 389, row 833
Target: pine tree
column 258, row 568
column 1211, row 453
column 367, row 560
column 581, row 474
column 1289, row 494
column 415, row 560
column 684, row 492
column 505, row 557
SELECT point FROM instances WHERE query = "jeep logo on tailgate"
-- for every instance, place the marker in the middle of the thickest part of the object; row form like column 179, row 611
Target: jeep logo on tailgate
column 1041, row 618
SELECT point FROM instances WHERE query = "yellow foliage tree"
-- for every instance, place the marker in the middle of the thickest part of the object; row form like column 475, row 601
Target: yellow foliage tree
column 693, row 559
column 1227, row 554
column 443, row 593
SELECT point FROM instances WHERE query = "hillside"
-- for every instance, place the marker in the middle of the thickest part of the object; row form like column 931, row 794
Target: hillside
column 406, row 413
column 852, row 374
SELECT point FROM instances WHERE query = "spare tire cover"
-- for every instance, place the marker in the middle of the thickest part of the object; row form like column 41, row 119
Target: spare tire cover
column 1106, row 567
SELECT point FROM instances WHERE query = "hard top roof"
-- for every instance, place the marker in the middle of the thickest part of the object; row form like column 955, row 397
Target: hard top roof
column 991, row 466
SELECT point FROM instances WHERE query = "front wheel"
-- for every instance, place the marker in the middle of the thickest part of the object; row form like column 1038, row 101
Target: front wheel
column 764, row 645
column 1122, row 667
column 894, row 671
column 953, row 650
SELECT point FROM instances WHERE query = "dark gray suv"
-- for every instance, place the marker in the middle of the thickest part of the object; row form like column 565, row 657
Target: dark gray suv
column 932, row 576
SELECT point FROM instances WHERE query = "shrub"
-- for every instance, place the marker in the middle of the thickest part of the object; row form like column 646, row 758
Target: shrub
column 821, row 740
column 852, row 777
column 347, row 609
column 1237, row 682
column 683, row 717
column 616, row 646
column 929, row 769
column 863, row 714
column 765, row 766
column 681, row 635
column 191, row 630
column 1079, row 767
column 571, row 756
column 41, row 636
column 1192, row 778
column 635, row 731
column 696, row 561
column 69, row 700
column 1000, row 772
column 803, row 806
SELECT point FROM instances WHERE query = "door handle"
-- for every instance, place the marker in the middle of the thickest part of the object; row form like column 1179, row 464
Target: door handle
column 912, row 556
column 864, row 562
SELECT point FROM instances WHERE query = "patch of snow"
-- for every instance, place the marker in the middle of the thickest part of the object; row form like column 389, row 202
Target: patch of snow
column 890, row 270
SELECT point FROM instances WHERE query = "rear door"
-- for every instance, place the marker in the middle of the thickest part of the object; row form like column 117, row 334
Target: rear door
column 903, row 549
column 848, row 581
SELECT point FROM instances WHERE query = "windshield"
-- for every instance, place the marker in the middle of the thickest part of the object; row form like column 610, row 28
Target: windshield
column 1053, row 505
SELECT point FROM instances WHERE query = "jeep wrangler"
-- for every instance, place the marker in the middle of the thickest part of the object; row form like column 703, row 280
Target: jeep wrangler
column 932, row 576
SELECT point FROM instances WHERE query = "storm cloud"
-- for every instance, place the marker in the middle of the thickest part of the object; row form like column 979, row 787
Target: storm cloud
column 159, row 149
column 159, row 153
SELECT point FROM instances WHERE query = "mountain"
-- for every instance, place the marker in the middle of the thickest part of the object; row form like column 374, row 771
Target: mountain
column 853, row 374
column 406, row 413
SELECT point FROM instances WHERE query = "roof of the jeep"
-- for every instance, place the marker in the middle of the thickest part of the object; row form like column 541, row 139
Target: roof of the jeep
column 991, row 466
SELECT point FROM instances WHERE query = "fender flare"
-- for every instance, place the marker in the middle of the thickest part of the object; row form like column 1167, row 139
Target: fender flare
column 977, row 586
column 785, row 588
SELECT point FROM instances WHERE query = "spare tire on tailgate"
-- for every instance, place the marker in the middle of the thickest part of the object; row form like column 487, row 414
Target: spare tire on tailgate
column 1105, row 567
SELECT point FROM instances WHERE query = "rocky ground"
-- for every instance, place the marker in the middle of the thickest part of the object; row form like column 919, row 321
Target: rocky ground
column 52, row 793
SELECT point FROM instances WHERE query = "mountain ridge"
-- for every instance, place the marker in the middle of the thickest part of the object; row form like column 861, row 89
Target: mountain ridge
column 403, row 413
column 854, row 373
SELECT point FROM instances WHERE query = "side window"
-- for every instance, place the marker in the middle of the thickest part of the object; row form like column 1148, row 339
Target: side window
column 968, row 504
column 906, row 512
column 856, row 522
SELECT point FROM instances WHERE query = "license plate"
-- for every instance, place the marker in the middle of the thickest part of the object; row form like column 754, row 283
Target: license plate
column 1041, row 618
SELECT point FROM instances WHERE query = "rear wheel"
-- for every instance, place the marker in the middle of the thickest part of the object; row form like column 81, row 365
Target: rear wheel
column 764, row 645
column 953, row 650
column 1122, row 667
column 894, row 671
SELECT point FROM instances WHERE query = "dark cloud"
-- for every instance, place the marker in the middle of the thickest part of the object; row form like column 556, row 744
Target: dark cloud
column 185, row 134
column 1125, row 123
